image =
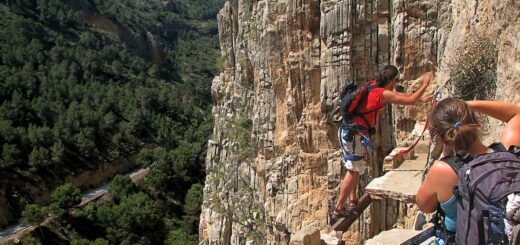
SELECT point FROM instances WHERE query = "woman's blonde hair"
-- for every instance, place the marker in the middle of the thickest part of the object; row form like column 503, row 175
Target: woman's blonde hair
column 455, row 123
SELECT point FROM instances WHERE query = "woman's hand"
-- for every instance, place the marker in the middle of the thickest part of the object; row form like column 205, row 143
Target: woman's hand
column 427, row 77
column 427, row 98
column 505, row 112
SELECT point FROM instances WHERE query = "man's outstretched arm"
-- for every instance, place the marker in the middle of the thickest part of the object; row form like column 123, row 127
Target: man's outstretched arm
column 404, row 99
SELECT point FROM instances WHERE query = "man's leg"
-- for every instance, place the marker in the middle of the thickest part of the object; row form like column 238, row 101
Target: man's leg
column 354, row 166
column 348, row 187
column 353, row 193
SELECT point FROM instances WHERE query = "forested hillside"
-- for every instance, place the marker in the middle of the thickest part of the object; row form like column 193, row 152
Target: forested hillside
column 88, row 82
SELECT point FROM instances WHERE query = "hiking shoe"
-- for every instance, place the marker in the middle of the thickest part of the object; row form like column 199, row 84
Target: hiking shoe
column 336, row 215
column 352, row 206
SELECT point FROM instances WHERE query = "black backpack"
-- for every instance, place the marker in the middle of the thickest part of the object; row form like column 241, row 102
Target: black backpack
column 484, row 184
column 351, row 97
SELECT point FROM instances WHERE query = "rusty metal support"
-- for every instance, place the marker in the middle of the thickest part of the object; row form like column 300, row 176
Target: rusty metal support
column 345, row 222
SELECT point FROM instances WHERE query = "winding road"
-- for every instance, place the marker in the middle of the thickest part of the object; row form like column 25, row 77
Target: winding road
column 89, row 196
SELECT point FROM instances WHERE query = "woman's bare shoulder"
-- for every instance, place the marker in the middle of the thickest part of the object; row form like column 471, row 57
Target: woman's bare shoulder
column 442, row 169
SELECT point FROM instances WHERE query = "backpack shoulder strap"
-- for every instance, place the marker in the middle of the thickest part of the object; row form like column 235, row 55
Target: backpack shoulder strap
column 371, row 85
column 455, row 162
column 498, row 147
column 349, row 85
column 363, row 90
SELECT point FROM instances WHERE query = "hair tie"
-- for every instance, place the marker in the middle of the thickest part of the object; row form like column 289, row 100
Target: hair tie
column 457, row 124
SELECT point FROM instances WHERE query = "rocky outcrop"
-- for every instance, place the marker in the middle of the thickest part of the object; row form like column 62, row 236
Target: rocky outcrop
column 143, row 42
column 273, row 164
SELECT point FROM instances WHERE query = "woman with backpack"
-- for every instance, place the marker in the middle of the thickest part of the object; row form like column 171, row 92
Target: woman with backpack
column 458, row 128
column 354, row 132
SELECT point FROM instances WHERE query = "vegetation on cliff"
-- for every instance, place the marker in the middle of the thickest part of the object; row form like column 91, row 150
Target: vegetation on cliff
column 87, row 82
column 474, row 68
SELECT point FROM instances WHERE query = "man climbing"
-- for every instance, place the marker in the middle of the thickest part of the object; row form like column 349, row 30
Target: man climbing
column 353, row 134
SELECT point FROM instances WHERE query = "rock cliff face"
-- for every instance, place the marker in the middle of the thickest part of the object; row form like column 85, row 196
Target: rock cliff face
column 273, row 163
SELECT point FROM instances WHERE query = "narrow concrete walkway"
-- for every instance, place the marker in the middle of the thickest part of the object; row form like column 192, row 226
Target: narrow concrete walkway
column 396, row 185
column 394, row 237
column 403, row 177
column 401, row 181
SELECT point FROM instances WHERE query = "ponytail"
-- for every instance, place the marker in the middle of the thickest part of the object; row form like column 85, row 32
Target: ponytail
column 461, row 137
column 455, row 123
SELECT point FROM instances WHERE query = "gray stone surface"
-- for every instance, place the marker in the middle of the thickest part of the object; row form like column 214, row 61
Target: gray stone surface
column 416, row 163
column 401, row 183
column 396, row 185
column 393, row 237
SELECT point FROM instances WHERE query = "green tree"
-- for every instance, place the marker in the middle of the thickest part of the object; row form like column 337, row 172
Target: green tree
column 146, row 157
column 11, row 156
column 85, row 141
column 100, row 241
column 40, row 136
column 34, row 214
column 186, row 162
column 81, row 241
column 180, row 237
column 192, row 208
column 58, row 152
column 39, row 158
column 134, row 216
column 64, row 197
column 193, row 200
column 121, row 186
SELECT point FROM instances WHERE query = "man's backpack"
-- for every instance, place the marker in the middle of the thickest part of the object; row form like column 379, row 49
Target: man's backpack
column 351, row 97
column 484, row 184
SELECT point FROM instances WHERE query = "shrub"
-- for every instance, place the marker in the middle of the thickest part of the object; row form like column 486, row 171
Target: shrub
column 474, row 70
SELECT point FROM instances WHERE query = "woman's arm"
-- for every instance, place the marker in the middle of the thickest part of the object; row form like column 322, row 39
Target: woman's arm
column 437, row 187
column 404, row 99
column 511, row 132
column 426, row 197
column 503, row 111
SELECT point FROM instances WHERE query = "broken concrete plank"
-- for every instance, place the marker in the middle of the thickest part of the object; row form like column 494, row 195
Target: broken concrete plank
column 394, row 236
column 397, row 185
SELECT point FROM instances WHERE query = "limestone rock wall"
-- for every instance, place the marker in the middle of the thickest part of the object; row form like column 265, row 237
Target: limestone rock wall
column 501, row 20
column 273, row 163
